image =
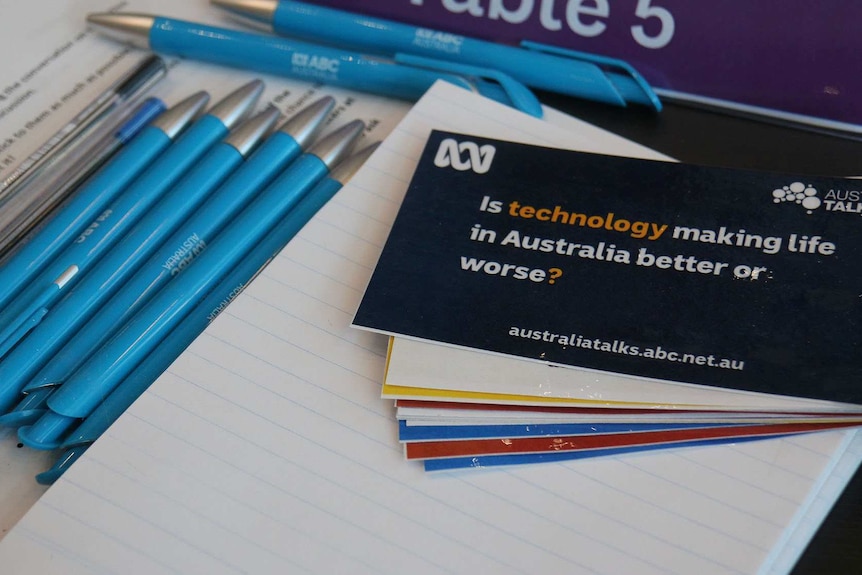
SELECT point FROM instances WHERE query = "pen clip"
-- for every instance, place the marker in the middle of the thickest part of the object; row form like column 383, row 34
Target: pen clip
column 492, row 83
column 603, row 61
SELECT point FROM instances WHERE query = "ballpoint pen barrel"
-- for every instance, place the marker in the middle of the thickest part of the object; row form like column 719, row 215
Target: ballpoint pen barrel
column 138, row 198
column 189, row 241
column 137, row 338
column 386, row 38
column 69, row 173
column 18, row 327
column 108, row 275
column 90, row 200
column 177, row 252
column 94, row 380
column 110, row 225
column 271, row 54
column 48, row 431
column 11, row 337
column 32, row 256
column 203, row 314
column 130, row 206
column 295, row 59
column 136, row 82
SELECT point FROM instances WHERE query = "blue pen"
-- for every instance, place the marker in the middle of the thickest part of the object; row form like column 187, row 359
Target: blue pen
column 172, row 257
column 135, row 82
column 25, row 193
column 69, row 172
column 87, row 202
column 307, row 61
column 110, row 273
column 112, row 362
column 129, row 206
column 545, row 67
column 182, row 336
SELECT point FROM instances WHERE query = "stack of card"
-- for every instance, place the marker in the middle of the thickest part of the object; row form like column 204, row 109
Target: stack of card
column 548, row 304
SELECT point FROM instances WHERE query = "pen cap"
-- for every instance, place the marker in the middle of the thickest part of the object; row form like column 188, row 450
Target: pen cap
column 234, row 107
column 332, row 148
column 306, row 124
column 246, row 136
column 178, row 116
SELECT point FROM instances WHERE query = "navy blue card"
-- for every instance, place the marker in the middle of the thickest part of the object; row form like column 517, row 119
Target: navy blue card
column 739, row 279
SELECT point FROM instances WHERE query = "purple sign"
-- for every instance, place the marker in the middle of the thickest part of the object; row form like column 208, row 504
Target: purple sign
column 794, row 56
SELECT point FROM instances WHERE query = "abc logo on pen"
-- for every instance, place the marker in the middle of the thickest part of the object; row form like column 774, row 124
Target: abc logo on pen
column 464, row 156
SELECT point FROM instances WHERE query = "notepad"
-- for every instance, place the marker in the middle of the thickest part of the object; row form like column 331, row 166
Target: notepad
column 266, row 447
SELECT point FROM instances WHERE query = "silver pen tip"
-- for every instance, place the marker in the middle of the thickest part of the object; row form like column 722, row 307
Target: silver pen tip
column 174, row 119
column 233, row 108
column 336, row 146
column 246, row 136
column 305, row 124
column 255, row 10
column 345, row 169
column 131, row 29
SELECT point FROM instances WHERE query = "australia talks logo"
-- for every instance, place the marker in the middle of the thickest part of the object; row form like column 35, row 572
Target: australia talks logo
column 464, row 156
column 797, row 193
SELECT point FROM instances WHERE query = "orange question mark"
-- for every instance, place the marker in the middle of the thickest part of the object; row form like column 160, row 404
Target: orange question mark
column 555, row 273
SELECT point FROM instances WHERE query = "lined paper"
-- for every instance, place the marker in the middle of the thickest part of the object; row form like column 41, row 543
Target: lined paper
column 267, row 449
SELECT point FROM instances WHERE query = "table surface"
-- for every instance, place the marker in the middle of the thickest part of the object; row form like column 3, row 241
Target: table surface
column 706, row 136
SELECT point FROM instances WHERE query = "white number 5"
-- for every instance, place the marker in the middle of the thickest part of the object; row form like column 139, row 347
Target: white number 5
column 665, row 34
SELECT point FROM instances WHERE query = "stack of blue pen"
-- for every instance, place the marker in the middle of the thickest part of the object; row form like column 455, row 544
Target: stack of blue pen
column 148, row 252
column 381, row 56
